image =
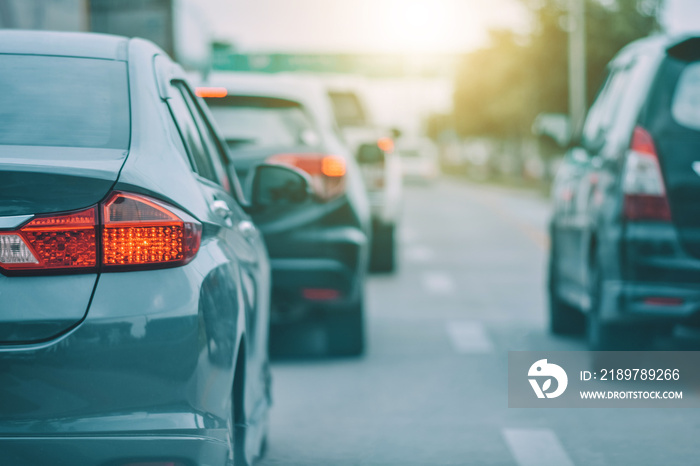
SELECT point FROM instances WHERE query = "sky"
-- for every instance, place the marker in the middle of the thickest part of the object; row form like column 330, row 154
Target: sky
column 682, row 15
column 364, row 25
column 397, row 26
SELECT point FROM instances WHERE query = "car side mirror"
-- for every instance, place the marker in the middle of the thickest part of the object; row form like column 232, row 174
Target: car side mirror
column 278, row 185
column 368, row 154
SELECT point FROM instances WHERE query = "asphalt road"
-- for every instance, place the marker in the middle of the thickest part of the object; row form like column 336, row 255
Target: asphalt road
column 432, row 387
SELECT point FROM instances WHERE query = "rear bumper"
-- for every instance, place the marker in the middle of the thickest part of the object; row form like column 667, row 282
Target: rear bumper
column 113, row 450
column 659, row 282
column 644, row 302
column 293, row 276
column 328, row 270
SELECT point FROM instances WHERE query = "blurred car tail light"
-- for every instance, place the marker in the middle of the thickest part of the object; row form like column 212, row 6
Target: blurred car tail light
column 663, row 301
column 327, row 172
column 209, row 92
column 320, row 294
column 139, row 231
column 49, row 242
column 386, row 144
column 136, row 232
column 642, row 182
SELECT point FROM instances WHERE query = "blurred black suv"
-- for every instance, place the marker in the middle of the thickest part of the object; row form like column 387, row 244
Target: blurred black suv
column 625, row 256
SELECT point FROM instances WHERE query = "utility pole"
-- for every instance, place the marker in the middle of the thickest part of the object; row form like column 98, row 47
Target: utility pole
column 577, row 64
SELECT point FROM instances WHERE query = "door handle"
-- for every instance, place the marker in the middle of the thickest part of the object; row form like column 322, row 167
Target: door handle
column 221, row 209
column 247, row 228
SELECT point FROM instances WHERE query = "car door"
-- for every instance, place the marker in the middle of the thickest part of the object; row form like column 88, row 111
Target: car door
column 565, row 188
column 247, row 243
column 576, row 230
column 600, row 193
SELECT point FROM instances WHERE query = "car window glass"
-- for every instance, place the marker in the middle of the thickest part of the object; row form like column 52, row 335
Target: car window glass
column 615, row 94
column 63, row 101
column 606, row 108
column 215, row 158
column 264, row 127
column 591, row 128
column 686, row 99
column 190, row 135
column 638, row 77
column 347, row 108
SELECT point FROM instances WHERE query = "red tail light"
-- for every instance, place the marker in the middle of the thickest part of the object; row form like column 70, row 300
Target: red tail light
column 386, row 144
column 327, row 171
column 66, row 241
column 320, row 294
column 643, row 184
column 137, row 232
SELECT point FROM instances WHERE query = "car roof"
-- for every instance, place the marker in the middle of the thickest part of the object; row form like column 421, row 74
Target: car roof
column 281, row 86
column 305, row 90
column 656, row 44
column 69, row 44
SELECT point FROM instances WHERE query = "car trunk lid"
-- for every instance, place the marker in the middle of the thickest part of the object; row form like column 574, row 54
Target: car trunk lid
column 40, row 180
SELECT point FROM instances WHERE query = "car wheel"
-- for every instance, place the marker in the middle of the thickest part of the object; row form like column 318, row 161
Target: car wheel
column 345, row 330
column 607, row 336
column 383, row 258
column 564, row 319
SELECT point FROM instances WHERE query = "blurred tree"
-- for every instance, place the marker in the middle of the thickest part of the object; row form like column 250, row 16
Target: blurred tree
column 437, row 123
column 501, row 88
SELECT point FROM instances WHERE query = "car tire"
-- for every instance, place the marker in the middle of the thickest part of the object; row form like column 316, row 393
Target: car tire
column 611, row 336
column 346, row 331
column 383, row 255
column 564, row 319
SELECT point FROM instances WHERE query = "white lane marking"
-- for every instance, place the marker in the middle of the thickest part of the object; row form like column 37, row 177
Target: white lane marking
column 418, row 254
column 469, row 337
column 438, row 282
column 536, row 447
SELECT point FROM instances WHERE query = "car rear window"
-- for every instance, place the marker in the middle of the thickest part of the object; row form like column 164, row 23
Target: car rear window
column 262, row 122
column 686, row 100
column 347, row 109
column 63, row 101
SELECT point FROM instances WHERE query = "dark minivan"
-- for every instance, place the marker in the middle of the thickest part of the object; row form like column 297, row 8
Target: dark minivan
column 626, row 224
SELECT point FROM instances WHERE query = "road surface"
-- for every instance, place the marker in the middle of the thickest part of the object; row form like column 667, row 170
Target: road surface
column 432, row 387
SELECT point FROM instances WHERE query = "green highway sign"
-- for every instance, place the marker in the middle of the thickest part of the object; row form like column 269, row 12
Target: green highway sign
column 371, row 65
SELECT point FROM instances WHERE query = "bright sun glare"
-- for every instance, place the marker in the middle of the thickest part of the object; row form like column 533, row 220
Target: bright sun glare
column 419, row 25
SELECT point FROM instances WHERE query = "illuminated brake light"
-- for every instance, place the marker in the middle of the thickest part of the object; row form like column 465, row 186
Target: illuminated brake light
column 327, row 172
column 642, row 183
column 139, row 231
column 333, row 166
column 64, row 241
column 386, row 144
column 211, row 92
